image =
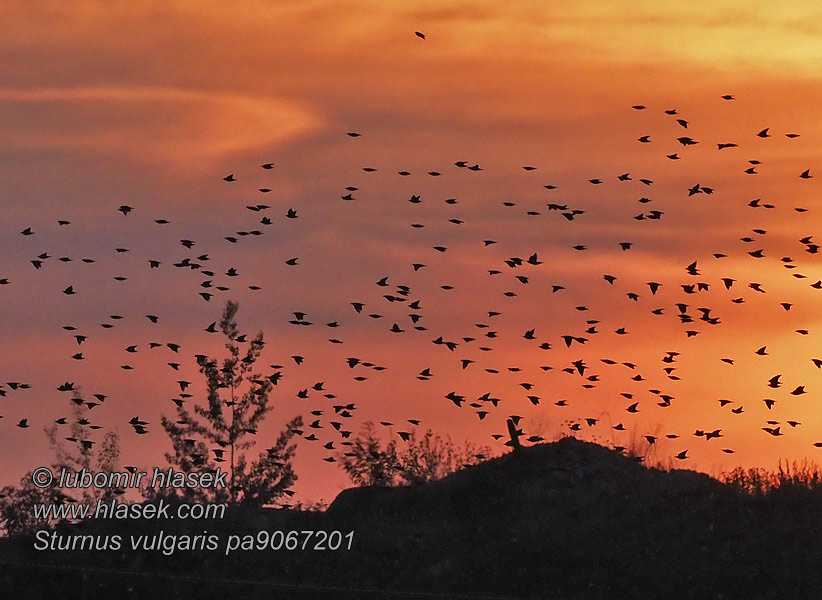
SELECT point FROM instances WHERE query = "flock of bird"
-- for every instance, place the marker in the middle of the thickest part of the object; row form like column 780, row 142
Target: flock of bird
column 402, row 308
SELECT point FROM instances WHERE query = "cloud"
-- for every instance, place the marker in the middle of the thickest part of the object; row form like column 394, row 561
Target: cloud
column 183, row 128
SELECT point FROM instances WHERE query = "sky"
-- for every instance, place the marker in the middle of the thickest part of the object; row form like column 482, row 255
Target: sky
column 151, row 105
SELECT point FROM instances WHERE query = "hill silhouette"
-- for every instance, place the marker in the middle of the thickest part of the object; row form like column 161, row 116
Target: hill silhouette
column 569, row 519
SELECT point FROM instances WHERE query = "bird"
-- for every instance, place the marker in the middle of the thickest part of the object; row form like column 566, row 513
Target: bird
column 345, row 251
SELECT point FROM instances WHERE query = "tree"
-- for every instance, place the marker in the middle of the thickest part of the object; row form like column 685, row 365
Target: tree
column 17, row 504
column 237, row 402
column 367, row 463
column 425, row 457
column 80, row 452
column 429, row 457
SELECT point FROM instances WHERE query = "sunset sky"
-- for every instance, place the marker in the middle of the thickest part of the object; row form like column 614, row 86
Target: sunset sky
column 150, row 105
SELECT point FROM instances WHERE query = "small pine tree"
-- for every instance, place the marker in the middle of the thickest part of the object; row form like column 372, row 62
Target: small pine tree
column 237, row 402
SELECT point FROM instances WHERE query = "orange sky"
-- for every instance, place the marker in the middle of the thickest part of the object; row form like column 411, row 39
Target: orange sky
column 151, row 104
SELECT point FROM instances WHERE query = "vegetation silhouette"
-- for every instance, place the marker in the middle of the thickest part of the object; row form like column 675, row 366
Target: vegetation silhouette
column 568, row 519
column 238, row 400
column 73, row 453
column 423, row 457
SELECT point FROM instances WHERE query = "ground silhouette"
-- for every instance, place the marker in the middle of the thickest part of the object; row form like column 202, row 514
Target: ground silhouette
column 568, row 519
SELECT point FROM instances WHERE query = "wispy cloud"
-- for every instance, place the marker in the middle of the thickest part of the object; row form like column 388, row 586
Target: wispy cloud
column 179, row 128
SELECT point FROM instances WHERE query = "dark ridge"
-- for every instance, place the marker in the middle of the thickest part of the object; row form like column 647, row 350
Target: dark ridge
column 526, row 480
column 565, row 520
